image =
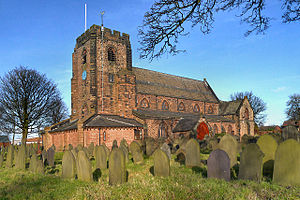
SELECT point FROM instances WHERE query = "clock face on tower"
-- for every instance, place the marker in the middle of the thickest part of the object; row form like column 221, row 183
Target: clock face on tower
column 84, row 75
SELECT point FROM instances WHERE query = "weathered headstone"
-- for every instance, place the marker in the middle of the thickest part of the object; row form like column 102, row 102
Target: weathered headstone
column 213, row 144
column 125, row 151
column 86, row 151
column 161, row 163
column 75, row 153
column 192, row 156
column 100, row 157
column 50, row 157
column 124, row 143
column 44, row 156
column 290, row 132
column 251, row 163
column 9, row 157
column 68, row 165
column 84, row 167
column 287, row 163
column 115, row 144
column 21, row 158
column 91, row 149
column 166, row 148
column 230, row 146
column 218, row 165
column 79, row 147
column 70, row 147
column 117, row 167
column 36, row 165
column 53, row 147
column 106, row 149
column 1, row 158
column 151, row 146
column 136, row 152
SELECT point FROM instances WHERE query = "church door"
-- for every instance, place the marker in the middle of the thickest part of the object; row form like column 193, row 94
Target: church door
column 202, row 130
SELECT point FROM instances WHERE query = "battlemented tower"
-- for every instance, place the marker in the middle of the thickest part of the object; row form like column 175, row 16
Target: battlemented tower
column 102, row 79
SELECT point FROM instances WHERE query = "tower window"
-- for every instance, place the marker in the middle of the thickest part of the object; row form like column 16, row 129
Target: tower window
column 111, row 54
column 144, row 103
column 84, row 56
column 196, row 108
column 210, row 110
column 181, row 107
column 165, row 105
column 111, row 78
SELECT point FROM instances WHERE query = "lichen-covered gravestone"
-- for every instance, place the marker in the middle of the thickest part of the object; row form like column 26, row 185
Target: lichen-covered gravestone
column 75, row 153
column 161, row 163
column 21, row 158
column 230, row 146
column 68, row 165
column 1, row 158
column 100, row 157
column 192, row 156
column 268, row 146
column 84, row 167
column 50, row 157
column 124, row 143
column 290, row 132
column 287, row 163
column 44, row 156
column 166, row 148
column 70, row 147
column 136, row 153
column 36, row 165
column 218, row 165
column 251, row 163
column 106, row 149
column 9, row 157
column 117, row 167
column 115, row 144
column 125, row 151
column 151, row 146
column 91, row 149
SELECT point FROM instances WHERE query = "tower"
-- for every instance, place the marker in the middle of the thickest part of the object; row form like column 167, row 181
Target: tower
column 112, row 93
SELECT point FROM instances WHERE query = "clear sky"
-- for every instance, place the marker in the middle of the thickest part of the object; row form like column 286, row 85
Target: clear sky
column 41, row 35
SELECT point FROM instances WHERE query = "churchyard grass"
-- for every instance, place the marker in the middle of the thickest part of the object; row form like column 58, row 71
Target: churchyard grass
column 184, row 183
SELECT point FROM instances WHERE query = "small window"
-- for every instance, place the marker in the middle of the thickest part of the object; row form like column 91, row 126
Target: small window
column 246, row 114
column 111, row 78
column 196, row 108
column 144, row 103
column 111, row 54
column 137, row 134
column 162, row 131
column 181, row 107
column 210, row 110
column 165, row 105
column 104, row 136
column 84, row 56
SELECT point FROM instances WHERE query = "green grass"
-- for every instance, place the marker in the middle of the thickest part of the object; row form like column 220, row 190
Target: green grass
column 184, row 183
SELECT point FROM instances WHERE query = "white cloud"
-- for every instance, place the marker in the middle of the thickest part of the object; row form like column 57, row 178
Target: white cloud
column 280, row 89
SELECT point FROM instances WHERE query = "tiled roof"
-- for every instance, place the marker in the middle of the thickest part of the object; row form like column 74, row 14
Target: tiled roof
column 68, row 125
column 4, row 139
column 111, row 121
column 160, row 114
column 229, row 107
column 156, row 83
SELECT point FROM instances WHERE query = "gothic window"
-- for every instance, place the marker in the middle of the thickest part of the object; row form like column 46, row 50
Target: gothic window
column 246, row 114
column 104, row 136
column 165, row 105
column 181, row 107
column 229, row 129
column 144, row 103
column 162, row 131
column 215, row 129
column 84, row 56
column 111, row 78
column 111, row 54
column 210, row 110
column 137, row 134
column 196, row 108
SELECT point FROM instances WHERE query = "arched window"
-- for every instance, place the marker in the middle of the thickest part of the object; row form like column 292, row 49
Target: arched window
column 165, row 105
column 144, row 103
column 84, row 52
column 216, row 129
column 246, row 114
column 104, row 136
column 210, row 110
column 162, row 130
column 181, row 107
column 111, row 54
column 229, row 130
column 196, row 108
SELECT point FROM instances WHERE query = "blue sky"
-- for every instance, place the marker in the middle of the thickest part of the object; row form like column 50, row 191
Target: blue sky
column 41, row 35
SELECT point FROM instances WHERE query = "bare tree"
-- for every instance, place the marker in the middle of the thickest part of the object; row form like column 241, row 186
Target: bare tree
column 58, row 112
column 257, row 104
column 164, row 23
column 26, row 98
column 293, row 107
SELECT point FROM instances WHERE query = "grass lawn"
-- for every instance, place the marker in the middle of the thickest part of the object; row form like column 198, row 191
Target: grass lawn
column 184, row 183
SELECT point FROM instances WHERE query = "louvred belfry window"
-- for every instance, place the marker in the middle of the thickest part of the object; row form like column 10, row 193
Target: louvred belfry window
column 144, row 103
column 196, row 108
column 181, row 107
column 165, row 105
column 111, row 54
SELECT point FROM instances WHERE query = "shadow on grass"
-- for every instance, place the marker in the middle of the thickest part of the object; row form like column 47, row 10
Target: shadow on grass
column 200, row 170
column 151, row 170
column 97, row 174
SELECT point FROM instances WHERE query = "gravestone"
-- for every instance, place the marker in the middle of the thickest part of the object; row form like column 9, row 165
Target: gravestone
column 79, row 147
column 218, row 165
column 166, row 148
column 44, row 156
column 287, row 163
column 86, row 151
column 213, row 144
column 251, row 163
column 1, row 158
column 151, row 145
column 53, row 147
column 230, row 146
column 106, row 149
column 100, row 157
column 192, row 154
column 136, row 152
column 290, row 132
column 9, row 157
column 91, row 149
column 124, row 143
column 36, row 165
column 50, row 157
column 115, row 144
column 75, row 153
column 70, row 147
column 21, row 158
column 161, row 163
column 84, row 167
column 68, row 165
column 117, row 167
column 125, row 151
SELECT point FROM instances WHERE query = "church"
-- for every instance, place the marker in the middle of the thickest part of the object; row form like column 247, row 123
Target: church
column 112, row 100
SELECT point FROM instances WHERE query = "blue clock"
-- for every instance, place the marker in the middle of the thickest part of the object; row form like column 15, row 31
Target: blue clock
column 84, row 75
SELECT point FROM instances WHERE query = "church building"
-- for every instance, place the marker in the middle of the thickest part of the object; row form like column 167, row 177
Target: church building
column 112, row 100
